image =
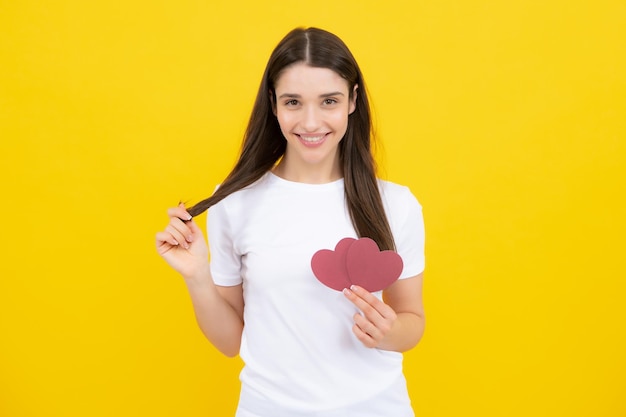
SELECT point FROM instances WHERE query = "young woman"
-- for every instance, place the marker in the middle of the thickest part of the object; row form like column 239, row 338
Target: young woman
column 305, row 179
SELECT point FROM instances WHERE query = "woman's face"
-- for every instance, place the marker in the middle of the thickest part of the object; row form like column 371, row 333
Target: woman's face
column 312, row 107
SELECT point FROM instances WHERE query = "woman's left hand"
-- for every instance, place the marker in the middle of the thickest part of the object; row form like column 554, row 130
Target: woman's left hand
column 376, row 319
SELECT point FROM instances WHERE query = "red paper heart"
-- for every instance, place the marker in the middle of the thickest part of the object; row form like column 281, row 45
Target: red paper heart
column 330, row 266
column 357, row 262
column 370, row 268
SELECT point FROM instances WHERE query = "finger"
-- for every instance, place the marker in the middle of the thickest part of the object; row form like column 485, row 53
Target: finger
column 178, row 237
column 188, row 217
column 365, row 295
column 369, row 304
column 182, row 227
column 368, row 327
column 164, row 238
column 180, row 213
column 369, row 318
column 364, row 337
column 352, row 295
column 193, row 227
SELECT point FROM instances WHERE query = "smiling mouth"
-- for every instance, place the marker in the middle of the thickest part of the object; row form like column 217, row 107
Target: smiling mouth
column 312, row 139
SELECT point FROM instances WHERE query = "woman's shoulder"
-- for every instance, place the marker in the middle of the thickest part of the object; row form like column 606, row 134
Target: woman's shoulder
column 243, row 198
column 248, row 190
column 393, row 191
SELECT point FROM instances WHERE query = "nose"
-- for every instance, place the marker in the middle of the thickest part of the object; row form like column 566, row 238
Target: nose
column 311, row 119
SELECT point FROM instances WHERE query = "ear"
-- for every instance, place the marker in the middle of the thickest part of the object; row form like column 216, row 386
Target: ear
column 272, row 101
column 353, row 99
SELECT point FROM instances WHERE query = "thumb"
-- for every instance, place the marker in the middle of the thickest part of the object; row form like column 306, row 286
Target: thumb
column 194, row 227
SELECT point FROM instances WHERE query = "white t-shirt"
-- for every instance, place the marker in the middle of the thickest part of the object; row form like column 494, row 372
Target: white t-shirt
column 301, row 357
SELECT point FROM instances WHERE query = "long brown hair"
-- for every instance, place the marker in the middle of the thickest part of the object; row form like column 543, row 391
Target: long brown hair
column 263, row 143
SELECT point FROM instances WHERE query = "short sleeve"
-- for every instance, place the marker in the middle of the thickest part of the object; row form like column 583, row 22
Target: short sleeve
column 407, row 225
column 225, row 261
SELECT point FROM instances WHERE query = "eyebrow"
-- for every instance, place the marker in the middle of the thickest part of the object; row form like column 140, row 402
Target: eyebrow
column 326, row 95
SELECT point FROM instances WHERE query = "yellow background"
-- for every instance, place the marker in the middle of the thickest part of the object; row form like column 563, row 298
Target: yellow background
column 506, row 118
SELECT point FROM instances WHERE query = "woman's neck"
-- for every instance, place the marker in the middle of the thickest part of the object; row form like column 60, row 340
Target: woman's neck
column 307, row 174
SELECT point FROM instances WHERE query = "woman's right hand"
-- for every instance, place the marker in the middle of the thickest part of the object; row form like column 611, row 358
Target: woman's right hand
column 182, row 244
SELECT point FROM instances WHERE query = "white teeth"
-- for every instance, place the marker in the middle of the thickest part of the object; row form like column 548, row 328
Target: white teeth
column 312, row 139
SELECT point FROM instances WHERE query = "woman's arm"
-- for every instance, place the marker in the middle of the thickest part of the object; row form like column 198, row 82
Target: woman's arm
column 397, row 323
column 218, row 310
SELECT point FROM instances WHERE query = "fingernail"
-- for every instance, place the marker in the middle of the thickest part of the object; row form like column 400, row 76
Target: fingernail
column 347, row 291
